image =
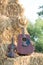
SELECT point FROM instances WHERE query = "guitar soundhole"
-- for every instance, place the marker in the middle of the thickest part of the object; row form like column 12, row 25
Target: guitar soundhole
column 24, row 39
column 25, row 42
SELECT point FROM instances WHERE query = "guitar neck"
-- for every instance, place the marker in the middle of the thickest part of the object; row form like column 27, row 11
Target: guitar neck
column 23, row 32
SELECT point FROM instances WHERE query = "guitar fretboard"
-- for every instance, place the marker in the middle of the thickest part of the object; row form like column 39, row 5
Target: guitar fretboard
column 23, row 32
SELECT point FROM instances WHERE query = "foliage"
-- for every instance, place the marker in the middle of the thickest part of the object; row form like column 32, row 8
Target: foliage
column 39, row 47
column 36, row 34
column 41, row 12
column 30, row 30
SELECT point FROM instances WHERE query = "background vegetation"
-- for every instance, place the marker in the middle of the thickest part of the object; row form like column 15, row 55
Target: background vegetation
column 36, row 32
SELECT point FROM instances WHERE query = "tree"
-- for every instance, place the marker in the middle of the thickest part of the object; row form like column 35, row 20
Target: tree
column 39, row 35
column 41, row 12
column 36, row 33
column 30, row 29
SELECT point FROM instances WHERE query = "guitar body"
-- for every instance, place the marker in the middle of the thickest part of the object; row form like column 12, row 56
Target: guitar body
column 24, row 45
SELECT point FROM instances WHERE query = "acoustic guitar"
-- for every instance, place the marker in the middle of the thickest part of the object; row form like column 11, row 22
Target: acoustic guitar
column 24, row 45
